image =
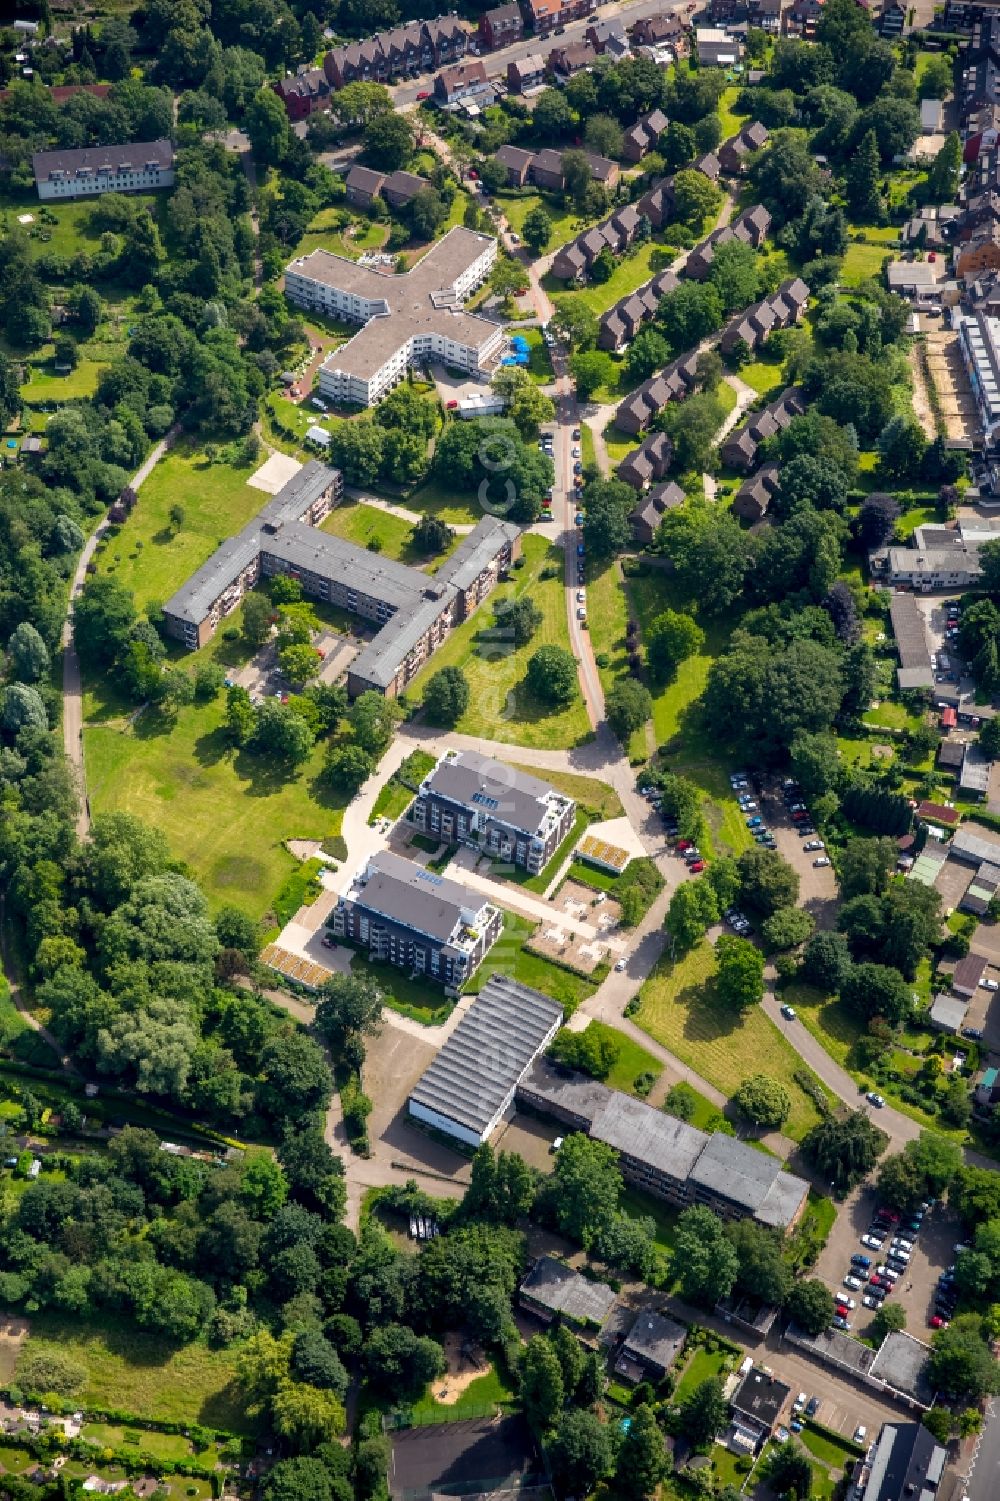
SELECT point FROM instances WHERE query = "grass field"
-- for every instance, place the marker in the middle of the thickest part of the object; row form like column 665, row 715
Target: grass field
column 142, row 1374
column 481, row 1393
column 508, row 956
column 618, row 444
column 322, row 233
column 764, row 375
column 587, row 791
column 430, row 497
column 147, row 555
column 71, row 231
column 864, row 258
column 515, row 207
column 644, row 1206
column 164, row 1445
column 607, row 620
column 631, row 272
column 702, row 1365
column 45, row 385
column 225, row 813
column 633, row 1059
column 731, row 121
column 501, row 707
column 364, row 524
column 680, row 1010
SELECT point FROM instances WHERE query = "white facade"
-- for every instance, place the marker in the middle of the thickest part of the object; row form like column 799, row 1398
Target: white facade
column 88, row 180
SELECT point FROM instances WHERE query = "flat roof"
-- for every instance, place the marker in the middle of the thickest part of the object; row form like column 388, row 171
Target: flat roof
column 762, row 1396
column 970, row 845
column 901, row 1362
column 948, row 1011
column 561, row 1089
column 558, row 1288
column 483, row 1059
column 509, row 796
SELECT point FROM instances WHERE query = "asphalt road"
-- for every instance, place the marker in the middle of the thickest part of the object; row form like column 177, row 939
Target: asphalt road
column 496, row 62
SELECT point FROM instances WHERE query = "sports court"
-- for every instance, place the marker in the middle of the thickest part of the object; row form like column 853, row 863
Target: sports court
column 471, row 1457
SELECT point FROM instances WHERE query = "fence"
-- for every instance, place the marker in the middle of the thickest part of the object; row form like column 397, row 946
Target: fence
column 426, row 1417
column 500, row 1485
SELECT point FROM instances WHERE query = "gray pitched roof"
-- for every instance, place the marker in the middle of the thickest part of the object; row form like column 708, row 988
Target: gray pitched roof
column 470, row 779
column 753, row 1180
column 417, row 898
column 558, row 1288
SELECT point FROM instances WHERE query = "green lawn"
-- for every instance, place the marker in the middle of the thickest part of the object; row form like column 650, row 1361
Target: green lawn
column 680, row 1010
column 764, row 375
column 71, row 231
column 515, row 207
column 630, row 273
column 618, row 444
column 731, row 121
column 163, row 1445
column 508, row 956
column 587, row 791
column 45, row 385
column 501, row 708
column 539, row 882
column 486, row 1391
column 702, row 1365
column 864, row 260
column 139, row 1373
column 395, row 796
column 539, row 359
column 225, row 813
column 607, row 620
column 824, row 1446
column 633, row 1059
column 322, row 233
column 430, row 497
column 645, row 1206
column 147, row 555
column 364, row 524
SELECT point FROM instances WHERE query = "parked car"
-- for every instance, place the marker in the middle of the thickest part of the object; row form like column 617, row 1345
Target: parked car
column 814, row 844
column 788, row 1012
column 854, row 1283
column 871, row 1096
column 858, row 1259
column 843, row 1301
column 860, row 1433
column 937, row 1322
column 822, row 861
column 976, row 1033
column 812, row 1407
column 899, row 1244
column 872, row 1242
column 696, row 867
column 839, row 1322
column 871, row 1302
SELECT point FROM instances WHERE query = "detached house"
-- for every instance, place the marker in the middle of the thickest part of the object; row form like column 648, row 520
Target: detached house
column 526, row 73
column 461, row 81
column 501, row 27
column 572, row 59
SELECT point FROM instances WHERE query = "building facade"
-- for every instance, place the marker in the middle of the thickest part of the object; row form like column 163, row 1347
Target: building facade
column 407, row 319
column 501, row 27
column 476, row 800
column 139, row 167
column 402, row 914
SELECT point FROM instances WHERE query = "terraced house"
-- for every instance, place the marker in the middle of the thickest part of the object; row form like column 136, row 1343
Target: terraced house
column 475, row 800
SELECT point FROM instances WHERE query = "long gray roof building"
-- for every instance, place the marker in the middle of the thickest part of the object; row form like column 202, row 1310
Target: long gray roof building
column 471, row 1083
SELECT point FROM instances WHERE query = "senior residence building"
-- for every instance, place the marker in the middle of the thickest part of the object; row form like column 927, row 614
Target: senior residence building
column 421, row 922
column 473, row 799
column 413, row 612
column 409, row 318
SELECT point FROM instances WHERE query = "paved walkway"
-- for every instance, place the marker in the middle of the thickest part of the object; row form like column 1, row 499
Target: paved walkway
column 460, row 528
column 745, row 397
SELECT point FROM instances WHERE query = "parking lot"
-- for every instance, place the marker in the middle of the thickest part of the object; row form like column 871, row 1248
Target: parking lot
column 262, row 676
column 933, row 1251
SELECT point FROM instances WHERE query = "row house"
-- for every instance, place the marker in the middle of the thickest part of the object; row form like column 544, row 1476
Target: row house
column 649, row 462
column 646, row 517
column 665, row 29
column 739, row 450
column 362, row 186
column 764, row 14
column 783, row 309
column 526, row 73
column 620, row 324
column 750, row 228
column 673, row 383
column 400, row 53
column 547, row 170
column 501, row 27
column 303, row 93
column 753, row 498
column 733, row 153
column 708, row 165
column 543, row 16
column 516, row 163
column 608, row 38
column 615, row 234
column 565, row 61
column 644, row 135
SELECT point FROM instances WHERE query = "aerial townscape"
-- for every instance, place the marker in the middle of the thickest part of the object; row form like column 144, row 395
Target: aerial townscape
column 500, row 750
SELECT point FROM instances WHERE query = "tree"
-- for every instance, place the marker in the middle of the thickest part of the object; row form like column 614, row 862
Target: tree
column 627, row 707
column 29, row 656
column 268, row 128
column 349, row 1005
column 576, row 322
column 961, row 1365
column 786, row 929
column 924, row 1169
column 427, row 211
column 606, row 527
column 399, row 1362
column 501, row 1186
column 590, row 370
column 767, row 881
column 579, row 1453
column 693, row 909
column 22, row 708
column 826, row 961
column 648, row 351
column 542, row 1391
column 703, row 1412
column 943, row 176
column 877, row 519
column 348, row 766
column 875, row 990
column 551, row 675
column 642, row 1459
column 586, row 1187
column 519, row 618
column 431, row 535
column 810, row 1305
column 789, row 1472
column 508, row 277
column 889, row 1318
column 537, row 228
column 734, row 273
column 372, row 720
column 866, row 866
column 299, row 663
column 257, row 616
column 845, row 1151
column 627, row 1244
column 895, row 124
column 863, row 179
column 784, row 177
column 689, row 314
column 695, row 198
column 763, row 1101
column 299, row 1479
column 388, row 141
column 901, row 447
column 739, row 980
column 670, row 640
column 446, row 696
column 705, row 1257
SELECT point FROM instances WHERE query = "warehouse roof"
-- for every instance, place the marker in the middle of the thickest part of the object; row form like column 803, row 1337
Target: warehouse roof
column 483, row 1059
column 973, row 847
column 558, row 1288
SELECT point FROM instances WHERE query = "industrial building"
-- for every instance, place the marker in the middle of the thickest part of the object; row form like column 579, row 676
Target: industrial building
column 476, row 800
column 413, row 611
column 407, row 319
column 470, row 1086
column 431, row 926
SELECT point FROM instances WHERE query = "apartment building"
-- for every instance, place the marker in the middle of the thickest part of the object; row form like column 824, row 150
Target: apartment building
column 407, row 319
column 543, row 16
column 476, row 800
column 979, row 344
column 426, row 924
column 501, row 27
column 303, row 93
column 136, row 167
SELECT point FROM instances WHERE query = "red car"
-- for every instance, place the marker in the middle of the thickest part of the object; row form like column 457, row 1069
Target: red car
column 683, row 844
column 696, row 867
column 888, row 1214
column 423, row 94
column 452, row 405
column 878, row 1281
column 473, row 174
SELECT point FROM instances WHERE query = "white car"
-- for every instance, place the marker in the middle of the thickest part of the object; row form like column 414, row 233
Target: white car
column 581, row 613
column 581, row 597
column 620, row 965
column 887, row 1271
column 854, row 1283
column 872, row 1242
column 821, row 861
column 515, row 239
column 871, row 1302
column 814, row 844
column 990, row 984
column 860, row 1433
column 576, row 453
column 800, row 1401
column 845, row 1302
column 899, row 1244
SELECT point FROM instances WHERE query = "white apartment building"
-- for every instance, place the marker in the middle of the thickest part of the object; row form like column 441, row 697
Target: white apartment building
column 407, row 319
column 139, row 167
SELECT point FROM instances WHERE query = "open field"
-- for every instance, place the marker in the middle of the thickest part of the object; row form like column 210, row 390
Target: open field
column 501, row 708
column 516, row 207
column 587, row 791
column 607, row 619
column 142, row 1374
column 147, row 555
column 225, row 813
column 71, row 231
column 364, row 524
column 633, row 1059
column 864, row 257
column 680, row 1010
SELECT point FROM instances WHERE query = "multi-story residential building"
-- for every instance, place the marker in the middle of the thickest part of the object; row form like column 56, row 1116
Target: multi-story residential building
column 475, row 800
column 304, row 92
column 543, row 16
column 501, row 27
column 400, row 188
column 668, row 1157
column 783, row 309
column 429, row 925
column 655, row 31
column 136, row 167
column 406, row 50
column 979, row 343
column 356, row 62
column 414, row 47
column 526, row 73
column 461, row 81
column 571, row 59
column 646, row 517
column 905, row 1461
column 410, row 318
column 447, row 38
